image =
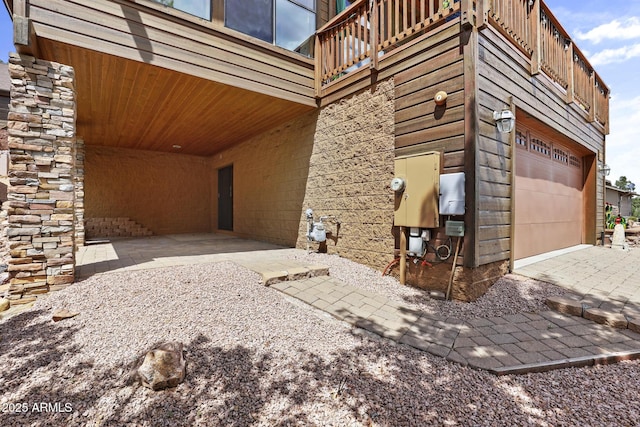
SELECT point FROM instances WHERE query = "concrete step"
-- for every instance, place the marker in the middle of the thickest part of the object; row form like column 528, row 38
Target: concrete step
column 295, row 273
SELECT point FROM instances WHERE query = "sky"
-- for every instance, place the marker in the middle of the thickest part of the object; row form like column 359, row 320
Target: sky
column 608, row 33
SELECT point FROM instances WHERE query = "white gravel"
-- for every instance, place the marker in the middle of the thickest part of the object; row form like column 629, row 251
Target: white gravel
column 256, row 357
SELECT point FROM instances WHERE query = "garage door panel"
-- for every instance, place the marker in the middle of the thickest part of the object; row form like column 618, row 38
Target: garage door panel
column 549, row 208
column 545, row 237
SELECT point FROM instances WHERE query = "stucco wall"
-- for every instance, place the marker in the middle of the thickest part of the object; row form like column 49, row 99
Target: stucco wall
column 167, row 193
column 270, row 174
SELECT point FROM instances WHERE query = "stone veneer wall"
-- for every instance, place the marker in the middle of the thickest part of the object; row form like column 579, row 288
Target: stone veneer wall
column 41, row 195
column 350, row 170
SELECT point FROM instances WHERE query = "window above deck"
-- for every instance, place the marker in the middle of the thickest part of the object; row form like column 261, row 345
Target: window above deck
column 199, row 8
column 286, row 23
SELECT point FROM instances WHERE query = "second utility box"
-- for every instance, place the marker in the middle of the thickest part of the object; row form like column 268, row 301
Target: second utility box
column 417, row 187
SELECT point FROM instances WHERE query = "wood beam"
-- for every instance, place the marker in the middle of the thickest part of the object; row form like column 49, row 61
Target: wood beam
column 512, row 231
column 469, row 45
column 536, row 56
column 24, row 36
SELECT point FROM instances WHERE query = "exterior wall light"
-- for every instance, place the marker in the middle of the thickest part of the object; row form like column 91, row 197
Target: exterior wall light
column 440, row 98
column 505, row 120
column 604, row 169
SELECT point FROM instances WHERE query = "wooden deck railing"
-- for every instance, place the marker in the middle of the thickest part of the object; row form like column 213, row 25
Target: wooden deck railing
column 512, row 17
column 531, row 26
column 368, row 30
column 555, row 53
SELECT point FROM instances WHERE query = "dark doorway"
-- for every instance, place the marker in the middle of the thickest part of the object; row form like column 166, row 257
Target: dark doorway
column 225, row 198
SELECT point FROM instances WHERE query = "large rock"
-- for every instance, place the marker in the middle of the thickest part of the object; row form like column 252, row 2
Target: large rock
column 163, row 367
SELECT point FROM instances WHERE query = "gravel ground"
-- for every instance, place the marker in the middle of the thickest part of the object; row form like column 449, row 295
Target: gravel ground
column 256, row 357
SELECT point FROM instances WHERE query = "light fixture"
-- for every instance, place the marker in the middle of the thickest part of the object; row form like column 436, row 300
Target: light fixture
column 604, row 169
column 440, row 98
column 505, row 120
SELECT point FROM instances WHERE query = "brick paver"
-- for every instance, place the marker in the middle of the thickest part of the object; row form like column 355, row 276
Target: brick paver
column 525, row 342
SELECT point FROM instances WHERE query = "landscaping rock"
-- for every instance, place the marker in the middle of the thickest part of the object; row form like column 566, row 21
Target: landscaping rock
column 163, row 367
column 4, row 304
column 63, row 314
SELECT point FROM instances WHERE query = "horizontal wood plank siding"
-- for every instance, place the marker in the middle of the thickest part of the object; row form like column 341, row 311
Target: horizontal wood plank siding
column 420, row 125
column 504, row 74
column 144, row 31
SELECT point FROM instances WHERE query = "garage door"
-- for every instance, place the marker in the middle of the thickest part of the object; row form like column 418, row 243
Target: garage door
column 549, row 210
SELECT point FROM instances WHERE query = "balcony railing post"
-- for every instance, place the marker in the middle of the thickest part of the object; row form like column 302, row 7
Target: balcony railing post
column 571, row 84
column 468, row 15
column 536, row 37
column 318, row 54
column 592, row 97
column 375, row 35
column 482, row 9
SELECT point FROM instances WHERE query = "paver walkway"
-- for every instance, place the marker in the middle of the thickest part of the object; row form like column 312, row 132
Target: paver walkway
column 515, row 344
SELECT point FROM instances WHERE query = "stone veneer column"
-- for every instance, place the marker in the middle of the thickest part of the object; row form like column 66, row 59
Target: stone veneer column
column 41, row 194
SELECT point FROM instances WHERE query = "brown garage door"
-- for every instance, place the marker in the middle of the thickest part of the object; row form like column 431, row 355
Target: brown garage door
column 549, row 208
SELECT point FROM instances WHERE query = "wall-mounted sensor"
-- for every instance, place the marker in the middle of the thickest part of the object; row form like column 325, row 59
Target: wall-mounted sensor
column 397, row 184
column 440, row 98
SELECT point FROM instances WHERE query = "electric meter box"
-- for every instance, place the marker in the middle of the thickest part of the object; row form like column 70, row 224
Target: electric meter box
column 416, row 204
column 452, row 194
column 454, row 228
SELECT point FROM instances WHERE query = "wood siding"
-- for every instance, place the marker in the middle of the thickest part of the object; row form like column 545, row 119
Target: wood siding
column 325, row 10
column 145, row 31
column 151, row 77
column 504, row 77
column 420, row 125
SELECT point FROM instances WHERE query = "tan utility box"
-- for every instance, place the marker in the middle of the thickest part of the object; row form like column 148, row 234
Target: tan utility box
column 416, row 202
